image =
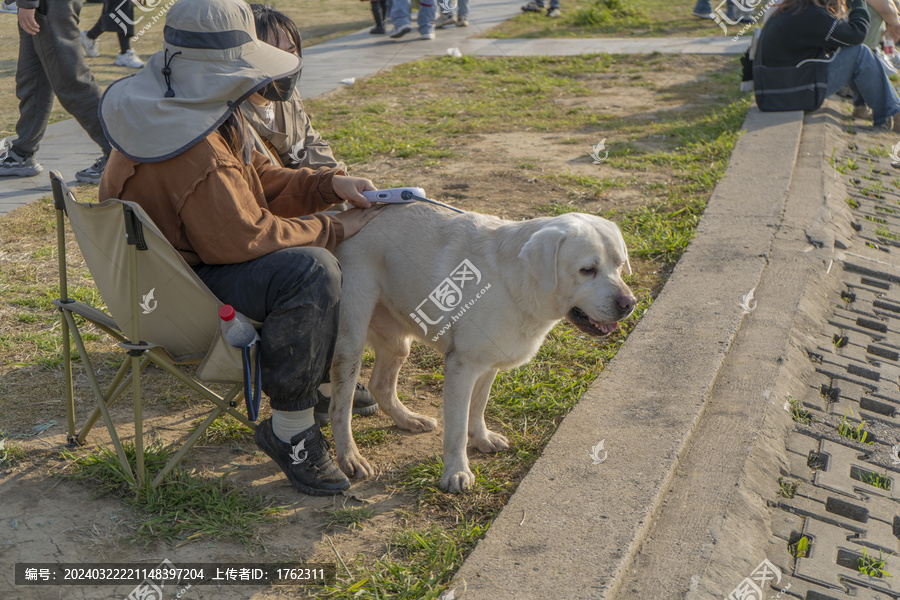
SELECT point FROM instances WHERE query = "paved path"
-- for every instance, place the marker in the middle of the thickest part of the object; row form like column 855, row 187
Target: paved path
column 67, row 148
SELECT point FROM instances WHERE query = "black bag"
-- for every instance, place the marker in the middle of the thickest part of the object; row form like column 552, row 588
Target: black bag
column 789, row 88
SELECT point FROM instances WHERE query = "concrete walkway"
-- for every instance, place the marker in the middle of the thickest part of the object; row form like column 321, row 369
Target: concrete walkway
column 68, row 149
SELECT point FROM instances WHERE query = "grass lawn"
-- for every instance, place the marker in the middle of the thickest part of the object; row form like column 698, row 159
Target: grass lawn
column 505, row 136
column 611, row 18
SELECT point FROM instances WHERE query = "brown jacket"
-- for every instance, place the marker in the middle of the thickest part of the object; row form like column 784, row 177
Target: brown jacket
column 216, row 210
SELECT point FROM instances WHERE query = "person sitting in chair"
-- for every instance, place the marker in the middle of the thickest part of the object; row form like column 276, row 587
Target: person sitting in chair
column 287, row 137
column 183, row 152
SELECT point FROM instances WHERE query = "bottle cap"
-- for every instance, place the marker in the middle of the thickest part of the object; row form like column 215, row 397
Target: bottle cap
column 226, row 313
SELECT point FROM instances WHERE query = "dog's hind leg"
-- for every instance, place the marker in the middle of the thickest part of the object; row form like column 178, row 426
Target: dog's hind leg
column 348, row 351
column 458, row 386
column 480, row 436
column 391, row 345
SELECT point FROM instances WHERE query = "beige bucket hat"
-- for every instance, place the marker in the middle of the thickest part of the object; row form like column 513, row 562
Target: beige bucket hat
column 211, row 61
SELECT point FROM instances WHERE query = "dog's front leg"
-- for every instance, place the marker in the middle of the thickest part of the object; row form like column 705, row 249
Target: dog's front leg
column 344, row 373
column 480, row 436
column 458, row 385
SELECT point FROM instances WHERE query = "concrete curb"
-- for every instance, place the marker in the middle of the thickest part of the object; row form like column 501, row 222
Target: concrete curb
column 572, row 528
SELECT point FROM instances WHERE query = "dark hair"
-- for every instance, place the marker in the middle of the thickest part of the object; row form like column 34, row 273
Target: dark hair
column 838, row 8
column 233, row 130
column 269, row 20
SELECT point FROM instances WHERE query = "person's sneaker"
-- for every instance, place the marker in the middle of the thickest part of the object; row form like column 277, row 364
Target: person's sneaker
column 428, row 35
column 462, row 22
column 554, row 13
column 306, row 460
column 128, row 59
column 94, row 172
column 91, row 47
column 12, row 164
column 398, row 32
column 701, row 15
column 444, row 20
column 862, row 112
column 377, row 30
column 9, row 6
column 533, row 7
column 364, row 404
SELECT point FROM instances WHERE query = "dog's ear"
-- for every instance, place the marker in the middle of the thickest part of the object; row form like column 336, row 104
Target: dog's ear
column 540, row 256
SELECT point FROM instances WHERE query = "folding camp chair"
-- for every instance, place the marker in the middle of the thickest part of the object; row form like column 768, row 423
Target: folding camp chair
column 161, row 313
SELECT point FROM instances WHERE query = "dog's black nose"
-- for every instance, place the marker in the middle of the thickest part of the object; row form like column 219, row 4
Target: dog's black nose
column 626, row 302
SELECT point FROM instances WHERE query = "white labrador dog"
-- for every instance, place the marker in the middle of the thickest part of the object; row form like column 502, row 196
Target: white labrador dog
column 481, row 290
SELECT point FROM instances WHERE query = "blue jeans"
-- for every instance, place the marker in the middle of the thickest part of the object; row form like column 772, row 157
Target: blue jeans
column 462, row 8
column 732, row 12
column 857, row 67
column 400, row 14
column 553, row 3
column 295, row 293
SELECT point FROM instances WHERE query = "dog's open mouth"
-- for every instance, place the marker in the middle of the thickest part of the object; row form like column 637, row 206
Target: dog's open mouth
column 579, row 319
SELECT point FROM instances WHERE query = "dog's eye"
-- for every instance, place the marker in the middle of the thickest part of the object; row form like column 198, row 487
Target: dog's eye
column 589, row 271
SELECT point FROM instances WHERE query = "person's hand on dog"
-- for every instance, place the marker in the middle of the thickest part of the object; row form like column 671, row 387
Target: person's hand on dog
column 351, row 189
column 27, row 21
column 355, row 218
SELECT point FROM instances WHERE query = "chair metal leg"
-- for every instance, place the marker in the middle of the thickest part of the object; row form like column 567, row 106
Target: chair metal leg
column 101, row 402
column 114, row 391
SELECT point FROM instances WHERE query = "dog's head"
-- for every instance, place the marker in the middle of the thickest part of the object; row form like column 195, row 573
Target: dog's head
column 578, row 260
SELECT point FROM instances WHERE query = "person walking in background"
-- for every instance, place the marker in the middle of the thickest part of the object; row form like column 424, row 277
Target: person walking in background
column 461, row 19
column 538, row 6
column 400, row 16
column 51, row 61
column 733, row 13
column 380, row 11
column 119, row 18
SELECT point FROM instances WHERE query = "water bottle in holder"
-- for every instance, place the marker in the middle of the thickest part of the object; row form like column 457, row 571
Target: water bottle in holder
column 240, row 333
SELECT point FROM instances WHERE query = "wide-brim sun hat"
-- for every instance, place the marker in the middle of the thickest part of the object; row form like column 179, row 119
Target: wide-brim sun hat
column 211, row 61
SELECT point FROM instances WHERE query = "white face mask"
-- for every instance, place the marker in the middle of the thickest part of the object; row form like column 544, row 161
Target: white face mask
column 266, row 112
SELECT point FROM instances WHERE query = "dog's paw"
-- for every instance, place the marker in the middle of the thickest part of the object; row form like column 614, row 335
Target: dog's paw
column 491, row 442
column 416, row 423
column 355, row 466
column 458, row 481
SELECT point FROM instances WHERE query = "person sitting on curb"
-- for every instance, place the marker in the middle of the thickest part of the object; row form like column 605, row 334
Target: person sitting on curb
column 287, row 135
column 182, row 151
column 51, row 61
column 800, row 31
